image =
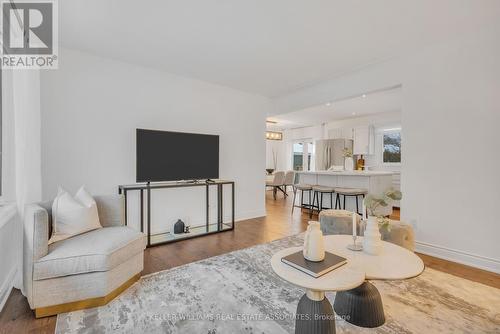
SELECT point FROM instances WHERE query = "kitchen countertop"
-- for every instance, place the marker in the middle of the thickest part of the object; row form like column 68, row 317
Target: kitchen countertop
column 349, row 173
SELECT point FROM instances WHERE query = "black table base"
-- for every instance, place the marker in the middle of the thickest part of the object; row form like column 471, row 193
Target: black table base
column 361, row 306
column 314, row 317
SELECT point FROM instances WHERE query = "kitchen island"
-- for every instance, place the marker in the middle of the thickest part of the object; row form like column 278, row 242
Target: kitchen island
column 376, row 182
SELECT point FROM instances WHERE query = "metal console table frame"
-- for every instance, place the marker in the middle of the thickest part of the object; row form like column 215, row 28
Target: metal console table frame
column 148, row 187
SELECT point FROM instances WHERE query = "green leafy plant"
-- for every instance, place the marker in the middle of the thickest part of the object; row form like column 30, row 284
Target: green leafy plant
column 373, row 203
column 347, row 153
column 384, row 223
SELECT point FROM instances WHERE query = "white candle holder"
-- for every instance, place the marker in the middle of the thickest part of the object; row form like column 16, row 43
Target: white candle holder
column 354, row 246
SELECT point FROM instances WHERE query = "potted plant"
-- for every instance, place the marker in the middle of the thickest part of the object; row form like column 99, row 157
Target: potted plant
column 348, row 160
column 372, row 237
column 270, row 171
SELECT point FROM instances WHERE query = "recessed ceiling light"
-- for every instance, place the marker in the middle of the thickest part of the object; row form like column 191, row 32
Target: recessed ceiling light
column 328, row 104
column 363, row 96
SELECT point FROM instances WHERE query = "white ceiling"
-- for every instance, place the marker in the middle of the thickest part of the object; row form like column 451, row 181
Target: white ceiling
column 358, row 106
column 269, row 47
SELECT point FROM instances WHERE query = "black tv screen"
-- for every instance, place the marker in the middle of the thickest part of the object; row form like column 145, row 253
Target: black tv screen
column 173, row 156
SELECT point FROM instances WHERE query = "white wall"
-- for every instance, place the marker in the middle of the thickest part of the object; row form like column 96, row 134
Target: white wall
column 91, row 107
column 450, row 117
column 308, row 132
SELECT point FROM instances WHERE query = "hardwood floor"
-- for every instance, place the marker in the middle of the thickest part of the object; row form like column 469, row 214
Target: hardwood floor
column 17, row 317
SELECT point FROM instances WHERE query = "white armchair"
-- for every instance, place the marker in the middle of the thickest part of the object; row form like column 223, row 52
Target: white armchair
column 87, row 270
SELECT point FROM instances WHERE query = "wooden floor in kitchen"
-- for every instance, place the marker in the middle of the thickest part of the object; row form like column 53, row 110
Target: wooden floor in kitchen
column 16, row 317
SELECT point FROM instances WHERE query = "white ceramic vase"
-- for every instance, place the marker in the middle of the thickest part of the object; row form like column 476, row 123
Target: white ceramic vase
column 372, row 243
column 314, row 246
column 349, row 163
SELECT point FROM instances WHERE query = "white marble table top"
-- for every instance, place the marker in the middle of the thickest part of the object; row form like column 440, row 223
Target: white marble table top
column 343, row 278
column 393, row 263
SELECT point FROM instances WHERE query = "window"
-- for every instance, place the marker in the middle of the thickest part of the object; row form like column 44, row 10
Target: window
column 298, row 156
column 303, row 155
column 310, row 156
column 391, row 146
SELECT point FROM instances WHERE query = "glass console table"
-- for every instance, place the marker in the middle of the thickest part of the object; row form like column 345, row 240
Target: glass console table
column 196, row 231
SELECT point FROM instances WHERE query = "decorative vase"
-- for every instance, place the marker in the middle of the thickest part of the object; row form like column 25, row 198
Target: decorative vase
column 179, row 227
column 372, row 243
column 360, row 164
column 314, row 247
column 348, row 163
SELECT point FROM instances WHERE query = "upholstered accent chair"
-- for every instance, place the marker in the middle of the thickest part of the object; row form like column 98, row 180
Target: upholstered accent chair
column 83, row 271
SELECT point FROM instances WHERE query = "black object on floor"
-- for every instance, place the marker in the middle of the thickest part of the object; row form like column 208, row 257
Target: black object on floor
column 361, row 306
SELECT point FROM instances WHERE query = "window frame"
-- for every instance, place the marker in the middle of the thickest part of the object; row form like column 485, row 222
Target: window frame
column 391, row 130
column 306, row 166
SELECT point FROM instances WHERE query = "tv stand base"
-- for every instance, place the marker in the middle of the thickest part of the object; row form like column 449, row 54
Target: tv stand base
column 146, row 203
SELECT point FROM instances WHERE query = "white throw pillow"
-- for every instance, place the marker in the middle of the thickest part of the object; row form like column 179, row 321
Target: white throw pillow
column 73, row 215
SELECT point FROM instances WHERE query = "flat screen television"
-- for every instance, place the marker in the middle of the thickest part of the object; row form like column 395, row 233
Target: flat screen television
column 174, row 156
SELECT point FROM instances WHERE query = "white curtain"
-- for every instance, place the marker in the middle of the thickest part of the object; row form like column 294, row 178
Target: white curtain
column 27, row 146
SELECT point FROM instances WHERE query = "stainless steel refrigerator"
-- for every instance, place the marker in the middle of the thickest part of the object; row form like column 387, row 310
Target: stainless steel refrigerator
column 329, row 152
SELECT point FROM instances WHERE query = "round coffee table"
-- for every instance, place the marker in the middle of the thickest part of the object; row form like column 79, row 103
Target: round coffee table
column 362, row 306
column 393, row 263
column 314, row 311
column 357, row 301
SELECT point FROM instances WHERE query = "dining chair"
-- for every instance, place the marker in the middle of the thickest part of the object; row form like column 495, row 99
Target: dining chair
column 289, row 180
column 277, row 183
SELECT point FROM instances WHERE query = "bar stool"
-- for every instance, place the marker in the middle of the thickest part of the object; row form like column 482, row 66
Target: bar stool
column 302, row 188
column 352, row 192
column 318, row 197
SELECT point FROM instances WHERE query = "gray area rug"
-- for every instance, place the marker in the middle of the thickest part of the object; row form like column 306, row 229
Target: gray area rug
column 239, row 293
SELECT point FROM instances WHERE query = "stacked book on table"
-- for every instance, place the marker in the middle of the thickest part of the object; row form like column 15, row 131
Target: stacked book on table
column 314, row 269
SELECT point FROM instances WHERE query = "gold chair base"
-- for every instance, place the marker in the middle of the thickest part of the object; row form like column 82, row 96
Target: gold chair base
column 86, row 303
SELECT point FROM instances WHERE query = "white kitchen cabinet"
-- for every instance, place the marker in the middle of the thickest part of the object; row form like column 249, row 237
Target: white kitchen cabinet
column 364, row 140
column 341, row 133
column 335, row 133
column 348, row 133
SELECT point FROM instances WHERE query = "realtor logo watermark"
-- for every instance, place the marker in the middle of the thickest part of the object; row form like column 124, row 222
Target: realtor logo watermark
column 29, row 34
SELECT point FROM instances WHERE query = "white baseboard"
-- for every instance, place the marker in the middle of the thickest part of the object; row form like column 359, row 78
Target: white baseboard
column 454, row 255
column 249, row 215
column 6, row 287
